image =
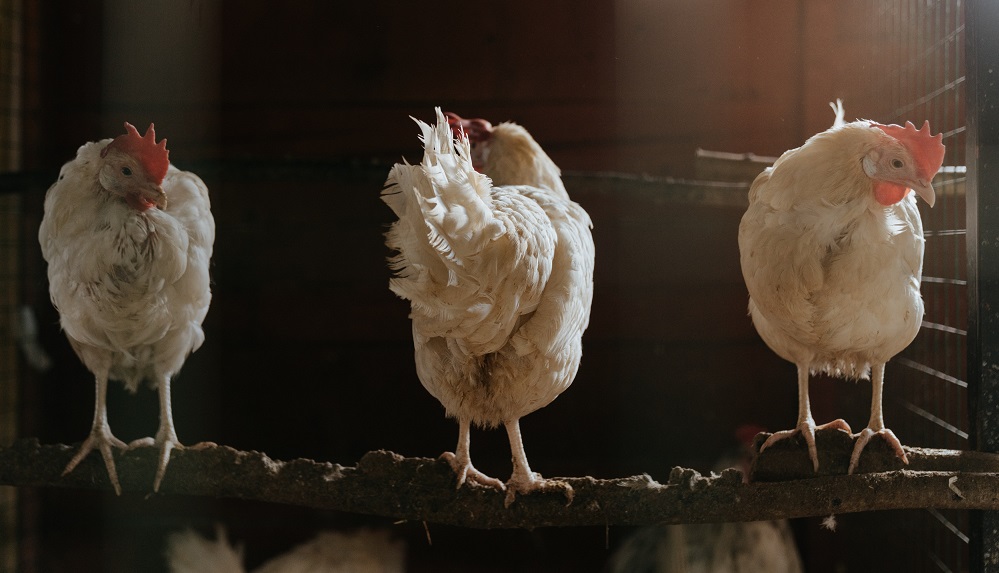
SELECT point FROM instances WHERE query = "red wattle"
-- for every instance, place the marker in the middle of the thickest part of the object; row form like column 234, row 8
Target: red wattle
column 888, row 194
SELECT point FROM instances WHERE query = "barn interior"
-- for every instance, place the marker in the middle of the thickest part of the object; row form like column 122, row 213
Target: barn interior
column 660, row 115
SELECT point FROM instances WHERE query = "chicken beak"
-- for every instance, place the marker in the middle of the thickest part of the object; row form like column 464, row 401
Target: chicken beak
column 925, row 190
column 153, row 195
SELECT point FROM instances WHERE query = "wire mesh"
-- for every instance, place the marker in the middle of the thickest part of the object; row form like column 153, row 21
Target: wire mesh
column 9, row 277
column 924, row 79
column 10, row 228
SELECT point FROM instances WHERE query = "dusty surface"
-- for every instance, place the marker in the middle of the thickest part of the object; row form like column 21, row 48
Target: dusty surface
column 387, row 484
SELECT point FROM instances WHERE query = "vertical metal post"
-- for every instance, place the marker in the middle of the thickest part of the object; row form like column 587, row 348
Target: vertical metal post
column 982, row 93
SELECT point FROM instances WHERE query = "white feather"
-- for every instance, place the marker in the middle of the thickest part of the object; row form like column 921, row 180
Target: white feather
column 363, row 551
column 833, row 276
column 189, row 552
column 130, row 281
column 132, row 289
column 837, row 108
column 500, row 276
column 334, row 552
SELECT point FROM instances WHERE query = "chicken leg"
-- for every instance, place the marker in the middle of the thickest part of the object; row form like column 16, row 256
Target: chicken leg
column 523, row 480
column 877, row 424
column 100, row 436
column 166, row 435
column 806, row 424
column 461, row 460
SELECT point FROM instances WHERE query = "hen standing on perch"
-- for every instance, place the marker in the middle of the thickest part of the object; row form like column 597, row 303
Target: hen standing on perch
column 832, row 254
column 498, row 266
column 128, row 238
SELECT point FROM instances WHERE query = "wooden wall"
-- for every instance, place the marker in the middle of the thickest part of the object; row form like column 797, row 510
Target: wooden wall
column 630, row 85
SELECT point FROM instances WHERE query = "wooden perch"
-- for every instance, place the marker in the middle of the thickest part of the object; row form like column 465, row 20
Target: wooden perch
column 386, row 484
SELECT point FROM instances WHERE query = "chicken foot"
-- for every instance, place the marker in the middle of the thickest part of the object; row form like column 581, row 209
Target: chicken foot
column 461, row 460
column 523, row 480
column 166, row 435
column 806, row 424
column 876, row 426
column 100, row 436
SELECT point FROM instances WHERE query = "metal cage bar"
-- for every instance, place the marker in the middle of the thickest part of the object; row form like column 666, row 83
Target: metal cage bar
column 983, row 255
column 11, row 43
column 928, row 386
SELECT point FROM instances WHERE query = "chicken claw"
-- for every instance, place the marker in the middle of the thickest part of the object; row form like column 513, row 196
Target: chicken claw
column 865, row 436
column 101, row 438
column 521, row 245
column 523, row 479
column 807, row 429
column 529, row 483
column 167, row 441
column 464, row 471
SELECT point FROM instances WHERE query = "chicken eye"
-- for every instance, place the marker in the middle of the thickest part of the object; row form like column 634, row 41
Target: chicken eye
column 128, row 172
column 897, row 163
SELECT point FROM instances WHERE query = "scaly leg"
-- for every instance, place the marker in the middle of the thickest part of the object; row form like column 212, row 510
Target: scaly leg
column 523, row 480
column 461, row 460
column 166, row 435
column 877, row 424
column 806, row 425
column 100, row 436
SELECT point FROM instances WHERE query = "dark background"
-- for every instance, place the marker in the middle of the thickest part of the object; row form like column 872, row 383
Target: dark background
column 308, row 354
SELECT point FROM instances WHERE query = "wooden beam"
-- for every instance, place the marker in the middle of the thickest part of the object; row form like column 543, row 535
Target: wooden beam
column 422, row 489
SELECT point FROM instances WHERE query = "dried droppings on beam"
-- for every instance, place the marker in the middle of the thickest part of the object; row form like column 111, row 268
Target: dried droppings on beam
column 421, row 489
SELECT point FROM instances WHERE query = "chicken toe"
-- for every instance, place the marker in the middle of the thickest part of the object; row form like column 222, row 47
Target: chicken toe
column 533, row 482
column 523, row 480
column 103, row 440
column 166, row 437
column 461, row 460
column 465, row 471
column 166, row 446
column 865, row 436
column 166, row 440
column 100, row 435
column 876, row 427
column 807, row 429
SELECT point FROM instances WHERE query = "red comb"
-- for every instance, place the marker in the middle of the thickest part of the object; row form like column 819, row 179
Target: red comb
column 475, row 129
column 925, row 148
column 153, row 156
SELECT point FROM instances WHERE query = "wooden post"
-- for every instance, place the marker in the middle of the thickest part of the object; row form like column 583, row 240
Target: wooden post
column 982, row 97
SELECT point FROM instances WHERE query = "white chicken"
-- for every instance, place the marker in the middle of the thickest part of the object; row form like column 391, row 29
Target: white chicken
column 498, row 267
column 363, row 551
column 738, row 547
column 832, row 253
column 128, row 238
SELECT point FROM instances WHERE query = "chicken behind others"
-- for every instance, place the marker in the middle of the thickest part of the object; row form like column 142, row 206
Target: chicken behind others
column 128, row 238
column 737, row 547
column 832, row 254
column 498, row 267
column 362, row 551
